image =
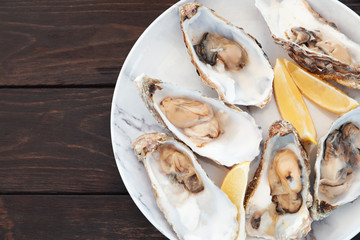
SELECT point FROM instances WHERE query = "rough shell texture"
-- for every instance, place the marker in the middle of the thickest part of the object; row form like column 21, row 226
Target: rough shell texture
column 321, row 208
column 208, row 214
column 326, row 66
column 250, row 86
column 259, row 199
column 279, row 128
column 240, row 136
column 147, row 143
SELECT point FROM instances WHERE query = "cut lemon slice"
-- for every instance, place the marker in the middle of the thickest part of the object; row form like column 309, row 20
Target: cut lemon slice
column 291, row 105
column 234, row 185
column 319, row 91
column 235, row 182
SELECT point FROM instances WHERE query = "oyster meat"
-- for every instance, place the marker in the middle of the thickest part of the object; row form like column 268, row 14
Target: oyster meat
column 210, row 128
column 227, row 59
column 337, row 180
column 192, row 204
column 277, row 199
column 196, row 119
column 312, row 41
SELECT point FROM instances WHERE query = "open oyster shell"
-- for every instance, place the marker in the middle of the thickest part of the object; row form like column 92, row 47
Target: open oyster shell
column 312, row 41
column 277, row 199
column 192, row 204
column 227, row 59
column 337, row 179
column 210, row 128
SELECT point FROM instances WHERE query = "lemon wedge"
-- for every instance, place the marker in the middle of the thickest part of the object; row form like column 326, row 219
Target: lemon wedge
column 234, row 185
column 291, row 105
column 319, row 91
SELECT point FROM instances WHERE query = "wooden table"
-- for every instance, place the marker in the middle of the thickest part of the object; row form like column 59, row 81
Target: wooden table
column 59, row 65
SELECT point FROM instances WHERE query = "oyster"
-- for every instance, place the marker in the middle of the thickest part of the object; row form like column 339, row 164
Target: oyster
column 278, row 197
column 337, row 165
column 226, row 58
column 208, row 126
column 192, row 204
column 195, row 118
column 313, row 42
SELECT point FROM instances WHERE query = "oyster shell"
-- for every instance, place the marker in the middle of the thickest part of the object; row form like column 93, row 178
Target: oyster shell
column 192, row 204
column 277, row 199
column 226, row 58
column 337, row 179
column 313, row 42
column 210, row 128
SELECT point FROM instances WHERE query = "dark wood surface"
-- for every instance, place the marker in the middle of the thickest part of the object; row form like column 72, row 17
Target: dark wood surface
column 59, row 61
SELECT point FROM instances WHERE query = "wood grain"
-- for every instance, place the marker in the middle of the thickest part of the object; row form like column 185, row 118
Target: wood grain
column 78, row 42
column 57, row 140
column 73, row 217
column 352, row 4
column 59, row 61
column 75, row 42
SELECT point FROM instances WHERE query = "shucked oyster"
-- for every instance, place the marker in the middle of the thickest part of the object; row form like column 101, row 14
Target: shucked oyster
column 337, row 165
column 192, row 204
column 219, row 51
column 196, row 119
column 227, row 59
column 210, row 128
column 312, row 41
column 278, row 197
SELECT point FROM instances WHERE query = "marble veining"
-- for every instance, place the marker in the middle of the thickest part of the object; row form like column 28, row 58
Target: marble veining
column 161, row 53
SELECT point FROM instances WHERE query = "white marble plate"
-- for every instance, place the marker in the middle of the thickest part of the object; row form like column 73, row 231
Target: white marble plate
column 160, row 53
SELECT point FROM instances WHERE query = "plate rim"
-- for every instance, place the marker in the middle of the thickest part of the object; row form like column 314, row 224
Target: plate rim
column 348, row 236
column 113, row 107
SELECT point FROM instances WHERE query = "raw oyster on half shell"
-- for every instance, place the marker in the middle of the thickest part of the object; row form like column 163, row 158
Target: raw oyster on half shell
column 210, row 128
column 337, row 179
column 226, row 58
column 277, row 199
column 192, row 204
column 313, row 42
